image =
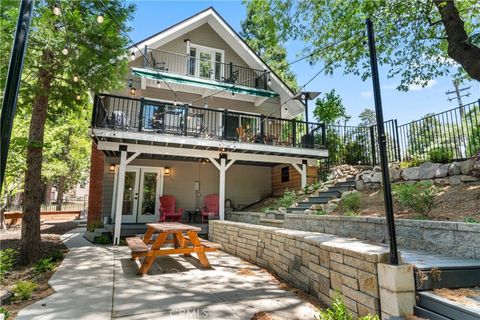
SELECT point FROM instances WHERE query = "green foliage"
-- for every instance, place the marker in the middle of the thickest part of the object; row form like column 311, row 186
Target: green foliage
column 470, row 220
column 96, row 224
column 356, row 152
column 287, row 200
column 7, row 260
column 319, row 212
column 367, row 118
column 43, row 265
column 369, row 317
column 410, row 42
column 440, row 155
column 23, row 289
column 329, row 109
column 419, row 196
column 103, row 239
column 339, row 311
column 352, row 202
column 309, row 188
column 5, row 313
column 56, row 256
column 412, row 162
column 471, row 120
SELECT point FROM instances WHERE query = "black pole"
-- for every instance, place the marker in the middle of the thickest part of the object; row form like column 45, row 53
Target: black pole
column 306, row 111
column 12, row 84
column 387, row 188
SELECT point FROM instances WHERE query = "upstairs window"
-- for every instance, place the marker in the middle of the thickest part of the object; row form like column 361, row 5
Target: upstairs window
column 206, row 63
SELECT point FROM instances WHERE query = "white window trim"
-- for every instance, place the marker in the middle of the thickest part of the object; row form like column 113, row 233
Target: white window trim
column 199, row 48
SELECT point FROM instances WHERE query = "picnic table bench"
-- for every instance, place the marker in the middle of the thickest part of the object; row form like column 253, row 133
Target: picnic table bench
column 185, row 241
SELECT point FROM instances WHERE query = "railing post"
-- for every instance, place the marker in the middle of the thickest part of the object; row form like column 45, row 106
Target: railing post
column 145, row 61
column 262, row 128
column 230, row 66
column 397, row 141
column 225, row 123
column 185, row 119
column 372, row 141
column 140, row 116
column 265, row 79
column 324, row 135
column 294, row 132
column 94, row 111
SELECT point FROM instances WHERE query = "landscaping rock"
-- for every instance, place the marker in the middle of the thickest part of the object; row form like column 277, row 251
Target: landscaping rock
column 374, row 186
column 441, row 181
column 367, row 178
column 330, row 207
column 410, row 173
column 476, row 169
column 427, row 170
column 377, row 169
column 376, row 177
column 465, row 178
column 455, row 180
column 467, row 166
column 360, row 185
column 442, row 171
column 455, row 169
column 395, row 171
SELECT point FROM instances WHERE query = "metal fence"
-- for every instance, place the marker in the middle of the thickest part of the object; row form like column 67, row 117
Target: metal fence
column 450, row 135
column 66, row 206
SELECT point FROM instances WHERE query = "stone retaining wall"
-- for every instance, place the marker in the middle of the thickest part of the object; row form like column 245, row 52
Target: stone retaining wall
column 452, row 238
column 318, row 263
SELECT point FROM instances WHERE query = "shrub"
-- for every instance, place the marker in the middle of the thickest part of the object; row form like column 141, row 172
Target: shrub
column 352, row 202
column 7, row 260
column 96, row 224
column 419, row 197
column 103, row 239
column 412, row 162
column 470, row 220
column 5, row 313
column 287, row 200
column 23, row 289
column 56, row 256
column 43, row 265
column 440, row 155
column 319, row 212
column 339, row 311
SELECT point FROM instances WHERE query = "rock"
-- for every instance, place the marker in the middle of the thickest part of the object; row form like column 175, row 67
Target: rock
column 455, row 169
column 330, row 207
column 467, row 166
column 317, row 207
column 476, row 169
column 427, row 170
column 376, row 177
column 454, row 180
column 377, row 169
column 465, row 178
column 395, row 171
column 442, row 171
column 367, row 178
column 337, row 201
column 308, row 211
column 410, row 173
column 441, row 181
column 282, row 210
column 374, row 186
column 360, row 185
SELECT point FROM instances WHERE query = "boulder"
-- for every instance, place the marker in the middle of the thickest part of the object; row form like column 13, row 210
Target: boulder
column 441, row 181
column 376, row 177
column 442, row 171
column 395, row 171
column 427, row 170
column 465, row 178
column 374, row 186
column 360, row 185
column 455, row 169
column 455, row 180
column 377, row 169
column 467, row 166
column 476, row 169
column 367, row 178
column 330, row 207
column 410, row 173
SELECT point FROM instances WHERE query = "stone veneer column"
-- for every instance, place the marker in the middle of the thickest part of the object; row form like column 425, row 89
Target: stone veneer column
column 95, row 193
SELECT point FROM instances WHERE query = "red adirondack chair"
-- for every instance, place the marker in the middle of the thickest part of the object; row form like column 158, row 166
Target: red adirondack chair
column 168, row 209
column 211, row 206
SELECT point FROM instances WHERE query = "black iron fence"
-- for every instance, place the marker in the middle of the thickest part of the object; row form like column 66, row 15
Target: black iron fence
column 208, row 66
column 450, row 135
column 144, row 115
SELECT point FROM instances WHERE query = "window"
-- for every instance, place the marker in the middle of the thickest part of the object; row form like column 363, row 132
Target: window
column 205, row 62
column 285, row 174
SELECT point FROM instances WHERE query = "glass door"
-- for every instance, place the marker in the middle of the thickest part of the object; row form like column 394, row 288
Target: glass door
column 151, row 182
column 206, row 64
column 130, row 196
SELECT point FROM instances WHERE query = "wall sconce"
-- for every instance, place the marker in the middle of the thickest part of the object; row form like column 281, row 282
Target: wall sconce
column 132, row 90
column 111, row 168
column 187, row 42
column 167, row 171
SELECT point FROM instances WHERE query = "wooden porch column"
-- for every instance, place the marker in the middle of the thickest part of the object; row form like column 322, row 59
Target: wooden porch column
column 120, row 190
column 302, row 169
column 222, row 167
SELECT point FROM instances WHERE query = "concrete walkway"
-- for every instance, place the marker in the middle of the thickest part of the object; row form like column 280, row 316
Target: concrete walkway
column 100, row 282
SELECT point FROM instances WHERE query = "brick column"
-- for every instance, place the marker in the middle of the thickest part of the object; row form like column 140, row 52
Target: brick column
column 95, row 193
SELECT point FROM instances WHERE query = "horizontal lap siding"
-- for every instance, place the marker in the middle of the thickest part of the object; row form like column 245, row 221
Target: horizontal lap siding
column 294, row 183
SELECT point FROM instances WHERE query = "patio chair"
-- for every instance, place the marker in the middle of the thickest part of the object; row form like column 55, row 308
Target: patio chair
column 168, row 209
column 211, row 206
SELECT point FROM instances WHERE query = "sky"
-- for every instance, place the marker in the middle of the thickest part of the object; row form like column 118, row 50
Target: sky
column 152, row 16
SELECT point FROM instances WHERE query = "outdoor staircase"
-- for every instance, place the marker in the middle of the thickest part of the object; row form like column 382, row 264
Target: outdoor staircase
column 323, row 197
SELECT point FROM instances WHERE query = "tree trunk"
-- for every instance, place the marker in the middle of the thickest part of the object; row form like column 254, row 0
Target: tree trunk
column 47, row 197
column 30, row 243
column 460, row 48
column 60, row 191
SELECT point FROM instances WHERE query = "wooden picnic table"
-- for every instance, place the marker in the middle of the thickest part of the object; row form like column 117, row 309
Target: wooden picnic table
column 184, row 238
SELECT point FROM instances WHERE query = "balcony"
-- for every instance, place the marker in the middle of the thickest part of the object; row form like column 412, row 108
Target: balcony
column 133, row 115
column 206, row 70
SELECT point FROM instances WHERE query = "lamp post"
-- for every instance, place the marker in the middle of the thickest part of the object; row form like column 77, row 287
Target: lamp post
column 304, row 96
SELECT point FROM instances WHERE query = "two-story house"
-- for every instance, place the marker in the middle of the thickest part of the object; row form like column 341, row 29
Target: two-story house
column 200, row 114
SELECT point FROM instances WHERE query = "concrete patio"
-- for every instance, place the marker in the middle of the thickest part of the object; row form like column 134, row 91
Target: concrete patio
column 100, row 282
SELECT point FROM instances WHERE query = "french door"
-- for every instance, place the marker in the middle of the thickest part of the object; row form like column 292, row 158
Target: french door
column 142, row 189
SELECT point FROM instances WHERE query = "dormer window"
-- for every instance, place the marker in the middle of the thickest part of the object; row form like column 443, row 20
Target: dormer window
column 205, row 62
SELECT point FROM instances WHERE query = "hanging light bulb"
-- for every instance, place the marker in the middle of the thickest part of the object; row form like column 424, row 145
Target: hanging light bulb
column 233, row 94
column 56, row 10
column 133, row 91
column 269, row 81
column 206, row 104
column 132, row 56
column 159, row 85
column 100, row 18
column 76, row 78
column 65, row 51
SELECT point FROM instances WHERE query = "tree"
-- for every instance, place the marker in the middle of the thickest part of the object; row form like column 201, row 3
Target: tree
column 257, row 31
column 368, row 118
column 329, row 109
column 60, row 48
column 417, row 39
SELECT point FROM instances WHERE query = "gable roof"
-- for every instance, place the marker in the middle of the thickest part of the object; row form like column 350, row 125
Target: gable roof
column 234, row 40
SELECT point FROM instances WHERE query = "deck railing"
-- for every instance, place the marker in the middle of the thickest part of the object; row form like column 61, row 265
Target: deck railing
column 208, row 69
column 144, row 115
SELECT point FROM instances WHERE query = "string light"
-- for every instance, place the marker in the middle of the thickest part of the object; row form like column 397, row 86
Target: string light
column 56, row 10
column 100, row 18
column 78, row 97
column 76, row 78
column 206, row 104
column 159, row 85
column 269, row 81
column 65, row 51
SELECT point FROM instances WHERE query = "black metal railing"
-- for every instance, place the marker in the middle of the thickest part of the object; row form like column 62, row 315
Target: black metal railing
column 144, row 115
column 203, row 68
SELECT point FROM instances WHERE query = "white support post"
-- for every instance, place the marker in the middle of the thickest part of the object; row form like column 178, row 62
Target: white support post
column 302, row 169
column 222, row 188
column 120, row 190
